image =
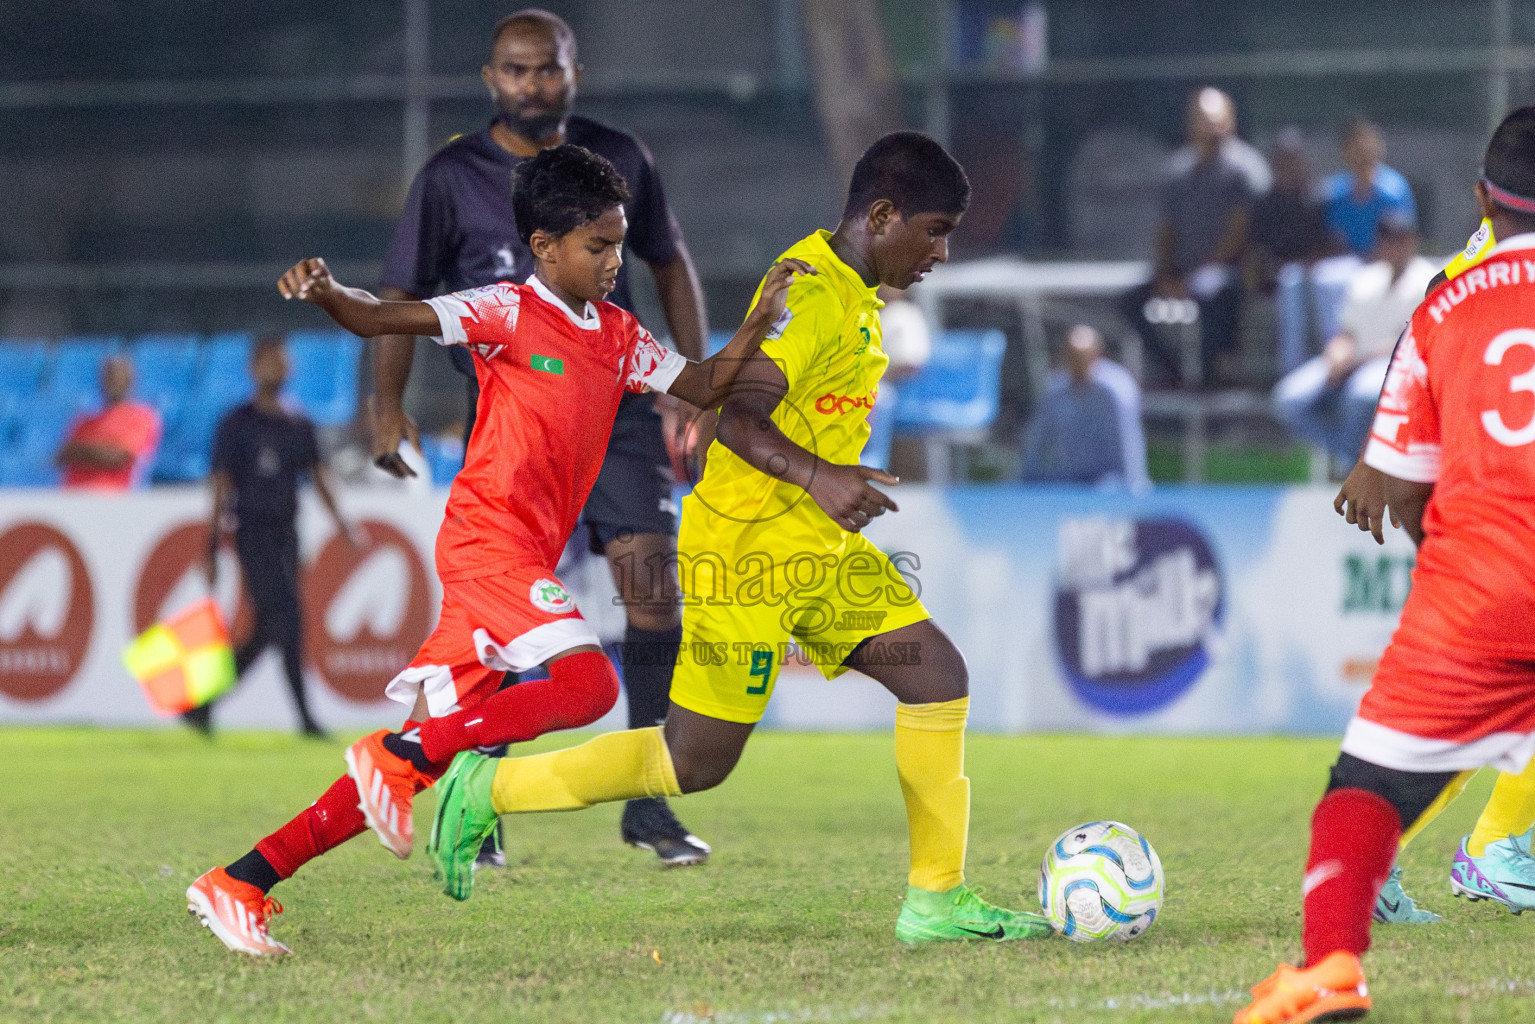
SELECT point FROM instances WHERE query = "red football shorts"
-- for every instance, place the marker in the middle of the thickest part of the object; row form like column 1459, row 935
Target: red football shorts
column 490, row 626
column 1437, row 706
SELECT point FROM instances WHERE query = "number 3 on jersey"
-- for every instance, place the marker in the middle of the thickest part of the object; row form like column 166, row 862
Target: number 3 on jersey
column 1492, row 419
column 762, row 671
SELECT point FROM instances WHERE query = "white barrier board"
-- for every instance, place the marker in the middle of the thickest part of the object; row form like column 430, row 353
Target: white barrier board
column 1186, row 610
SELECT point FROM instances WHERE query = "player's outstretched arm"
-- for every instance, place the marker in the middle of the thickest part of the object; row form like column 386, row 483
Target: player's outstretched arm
column 360, row 312
column 746, row 427
column 707, row 383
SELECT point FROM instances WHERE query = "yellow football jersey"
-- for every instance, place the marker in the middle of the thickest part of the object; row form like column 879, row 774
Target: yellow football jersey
column 830, row 353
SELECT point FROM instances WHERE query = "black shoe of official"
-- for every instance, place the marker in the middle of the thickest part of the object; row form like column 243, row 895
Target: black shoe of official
column 200, row 719
column 491, row 855
column 649, row 824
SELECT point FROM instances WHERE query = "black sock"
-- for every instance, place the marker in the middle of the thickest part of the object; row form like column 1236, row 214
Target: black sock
column 256, row 870
column 648, row 658
column 408, row 745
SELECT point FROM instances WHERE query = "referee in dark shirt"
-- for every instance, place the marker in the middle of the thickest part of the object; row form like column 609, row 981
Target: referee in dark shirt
column 261, row 451
column 457, row 232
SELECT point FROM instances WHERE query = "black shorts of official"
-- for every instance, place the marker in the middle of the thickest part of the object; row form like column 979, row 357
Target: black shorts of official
column 633, row 493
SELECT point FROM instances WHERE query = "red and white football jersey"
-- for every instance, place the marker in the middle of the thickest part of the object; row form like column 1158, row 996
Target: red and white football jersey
column 1458, row 411
column 550, row 383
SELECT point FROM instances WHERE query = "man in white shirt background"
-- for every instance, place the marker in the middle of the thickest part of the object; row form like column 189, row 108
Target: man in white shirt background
column 1330, row 400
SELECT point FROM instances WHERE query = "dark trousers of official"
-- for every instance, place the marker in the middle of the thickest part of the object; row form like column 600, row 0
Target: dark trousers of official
column 269, row 563
column 1220, row 320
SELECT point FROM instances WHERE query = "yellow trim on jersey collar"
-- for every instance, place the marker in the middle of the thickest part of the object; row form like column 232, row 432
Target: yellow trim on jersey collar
column 823, row 237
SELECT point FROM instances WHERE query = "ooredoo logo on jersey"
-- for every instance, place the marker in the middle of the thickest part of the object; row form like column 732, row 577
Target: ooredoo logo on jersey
column 1137, row 606
column 47, row 611
column 367, row 610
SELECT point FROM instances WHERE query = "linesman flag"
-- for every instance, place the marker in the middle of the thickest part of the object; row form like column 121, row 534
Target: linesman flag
column 185, row 661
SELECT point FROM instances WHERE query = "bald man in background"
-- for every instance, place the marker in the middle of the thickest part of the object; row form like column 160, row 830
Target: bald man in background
column 1206, row 210
column 113, row 449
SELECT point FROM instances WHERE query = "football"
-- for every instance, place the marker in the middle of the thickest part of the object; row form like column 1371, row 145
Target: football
column 1101, row 880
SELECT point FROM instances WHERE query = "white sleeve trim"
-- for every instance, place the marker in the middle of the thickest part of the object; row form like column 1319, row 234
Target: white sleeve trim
column 665, row 375
column 1419, row 464
column 450, row 310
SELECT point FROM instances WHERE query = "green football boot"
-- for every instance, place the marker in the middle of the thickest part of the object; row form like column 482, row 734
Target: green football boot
column 959, row 915
column 464, row 818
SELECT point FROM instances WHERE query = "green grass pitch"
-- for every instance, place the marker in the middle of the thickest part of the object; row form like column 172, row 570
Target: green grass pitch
column 791, row 921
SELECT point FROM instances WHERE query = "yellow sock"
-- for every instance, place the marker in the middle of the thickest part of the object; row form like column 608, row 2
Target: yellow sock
column 1510, row 811
column 614, row 766
column 930, row 759
column 1445, row 798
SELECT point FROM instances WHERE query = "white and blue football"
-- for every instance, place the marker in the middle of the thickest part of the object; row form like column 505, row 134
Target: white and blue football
column 1101, row 880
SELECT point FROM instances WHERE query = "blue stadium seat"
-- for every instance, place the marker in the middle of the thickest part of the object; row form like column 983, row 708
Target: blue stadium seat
column 225, row 374
column 164, row 368
column 38, row 437
column 960, row 388
column 222, row 382
column 21, row 364
column 22, row 361
column 955, row 397
column 75, row 374
column 324, row 381
column 444, row 455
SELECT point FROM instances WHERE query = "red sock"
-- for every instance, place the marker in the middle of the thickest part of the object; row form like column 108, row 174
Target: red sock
column 323, row 825
column 581, row 689
column 327, row 823
column 1353, row 844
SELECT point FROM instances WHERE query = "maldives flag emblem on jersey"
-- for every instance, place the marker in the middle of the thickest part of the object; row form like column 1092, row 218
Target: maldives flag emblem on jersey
column 548, row 364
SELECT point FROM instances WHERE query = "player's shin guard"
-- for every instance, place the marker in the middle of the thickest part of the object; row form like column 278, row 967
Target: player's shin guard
column 1354, row 833
column 614, row 766
column 1510, row 811
column 930, row 759
column 581, row 688
column 324, row 825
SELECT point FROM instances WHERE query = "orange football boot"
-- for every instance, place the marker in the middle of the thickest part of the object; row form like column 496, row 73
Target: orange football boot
column 386, row 785
column 236, row 912
column 1334, row 989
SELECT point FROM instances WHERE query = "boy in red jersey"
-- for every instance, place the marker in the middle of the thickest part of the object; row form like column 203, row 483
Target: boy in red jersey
column 553, row 360
column 1456, row 687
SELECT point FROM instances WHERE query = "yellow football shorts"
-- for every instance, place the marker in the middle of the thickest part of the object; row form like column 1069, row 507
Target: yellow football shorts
column 746, row 613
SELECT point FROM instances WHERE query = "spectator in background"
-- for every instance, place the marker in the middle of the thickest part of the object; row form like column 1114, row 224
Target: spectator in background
column 1076, row 435
column 1127, row 399
column 1330, row 400
column 113, row 449
column 1207, row 205
column 261, row 451
column 1290, row 237
column 1357, row 199
column 908, row 341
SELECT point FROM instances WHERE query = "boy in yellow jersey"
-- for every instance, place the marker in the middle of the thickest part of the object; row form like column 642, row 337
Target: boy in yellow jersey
column 770, row 552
